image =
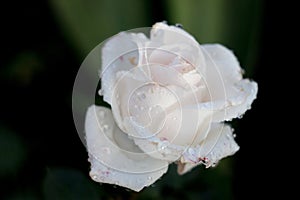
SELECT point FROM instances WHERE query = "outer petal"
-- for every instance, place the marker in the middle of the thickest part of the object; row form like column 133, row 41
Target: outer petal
column 218, row 144
column 114, row 158
column 119, row 53
column 229, row 93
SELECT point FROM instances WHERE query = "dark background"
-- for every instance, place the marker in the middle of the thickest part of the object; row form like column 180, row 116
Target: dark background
column 42, row 46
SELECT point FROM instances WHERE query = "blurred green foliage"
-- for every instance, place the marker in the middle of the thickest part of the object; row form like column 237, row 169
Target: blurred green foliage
column 22, row 68
column 68, row 184
column 12, row 153
column 88, row 23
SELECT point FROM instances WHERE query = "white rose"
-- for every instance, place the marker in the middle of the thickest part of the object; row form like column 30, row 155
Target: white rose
column 169, row 98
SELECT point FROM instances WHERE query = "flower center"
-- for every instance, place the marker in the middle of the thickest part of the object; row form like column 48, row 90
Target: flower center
column 148, row 107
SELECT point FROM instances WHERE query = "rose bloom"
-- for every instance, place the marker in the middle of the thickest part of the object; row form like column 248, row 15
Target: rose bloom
column 169, row 99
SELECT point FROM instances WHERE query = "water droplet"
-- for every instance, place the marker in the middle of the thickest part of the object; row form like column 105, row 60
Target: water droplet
column 242, row 71
column 228, row 135
column 101, row 114
column 105, row 127
column 191, row 152
column 143, row 96
column 162, row 145
column 149, row 178
column 179, row 25
column 100, row 92
column 150, row 108
column 234, row 135
column 228, row 103
column 95, row 177
column 240, row 116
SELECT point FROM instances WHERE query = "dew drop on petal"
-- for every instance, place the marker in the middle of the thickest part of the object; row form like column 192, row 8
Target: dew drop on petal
column 149, row 178
column 105, row 127
column 115, row 184
column 162, row 145
column 94, row 177
column 143, row 96
column 179, row 25
column 100, row 92
column 101, row 114
column 240, row 116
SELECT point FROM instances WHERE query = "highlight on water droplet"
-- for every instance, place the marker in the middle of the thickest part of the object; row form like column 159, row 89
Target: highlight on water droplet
column 95, row 177
column 100, row 92
column 101, row 114
column 105, row 127
column 143, row 96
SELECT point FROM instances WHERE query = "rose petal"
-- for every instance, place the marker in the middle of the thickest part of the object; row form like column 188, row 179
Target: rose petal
column 119, row 53
column 218, row 144
column 142, row 88
column 127, row 82
column 164, row 34
column 181, row 129
column 228, row 92
column 222, row 59
column 177, row 41
column 114, row 158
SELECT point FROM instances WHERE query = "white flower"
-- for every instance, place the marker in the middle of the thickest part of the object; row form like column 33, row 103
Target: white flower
column 169, row 98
